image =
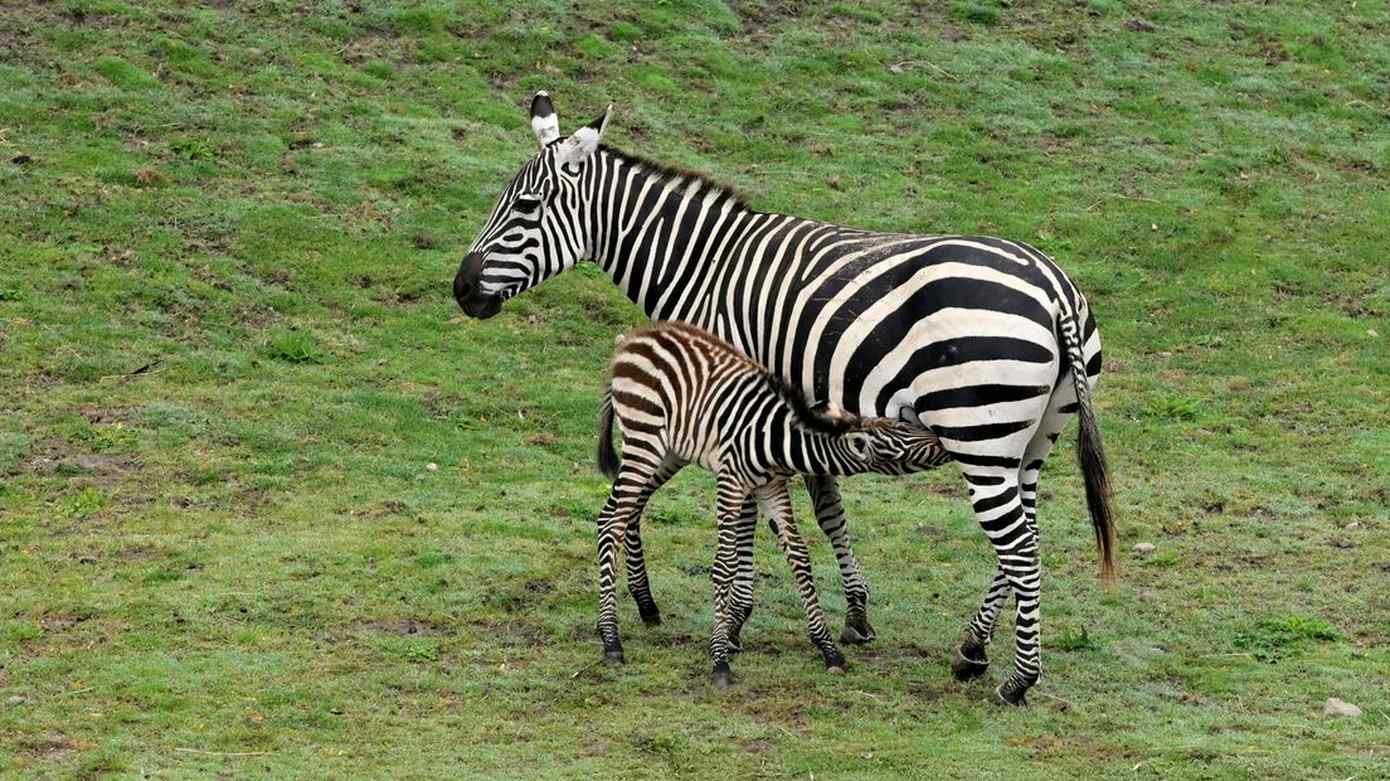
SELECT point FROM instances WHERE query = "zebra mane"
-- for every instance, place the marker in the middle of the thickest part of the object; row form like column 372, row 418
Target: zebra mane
column 661, row 173
column 813, row 419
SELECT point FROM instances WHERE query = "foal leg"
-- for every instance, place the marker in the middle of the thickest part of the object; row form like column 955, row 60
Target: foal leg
column 830, row 516
column 741, row 597
column 637, row 583
column 629, row 494
column 778, row 505
column 730, row 508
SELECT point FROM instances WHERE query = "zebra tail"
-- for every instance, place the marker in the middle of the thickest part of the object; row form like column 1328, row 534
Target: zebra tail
column 1090, row 452
column 607, row 456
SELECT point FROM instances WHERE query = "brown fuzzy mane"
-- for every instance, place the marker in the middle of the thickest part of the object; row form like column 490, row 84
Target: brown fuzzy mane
column 813, row 419
column 661, row 172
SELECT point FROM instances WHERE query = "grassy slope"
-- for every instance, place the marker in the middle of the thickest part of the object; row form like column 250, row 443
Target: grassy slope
column 241, row 549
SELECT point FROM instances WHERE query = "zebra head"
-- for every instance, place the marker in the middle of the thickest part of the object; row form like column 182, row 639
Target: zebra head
column 535, row 230
column 900, row 448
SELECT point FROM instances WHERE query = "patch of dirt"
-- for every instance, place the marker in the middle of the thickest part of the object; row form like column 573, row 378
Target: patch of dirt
column 754, row 15
column 127, row 415
column 383, row 509
column 138, row 552
column 1056, row 746
column 764, row 704
column 53, row 746
column 58, row 622
column 54, row 456
column 402, row 626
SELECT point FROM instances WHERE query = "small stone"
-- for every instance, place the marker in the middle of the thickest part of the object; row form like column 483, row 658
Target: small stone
column 1336, row 707
column 1372, row 332
column 1145, row 547
column 15, row 700
column 433, row 467
column 1352, row 526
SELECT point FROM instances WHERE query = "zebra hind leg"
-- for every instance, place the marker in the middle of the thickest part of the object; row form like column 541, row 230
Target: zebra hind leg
column 972, row 658
column 638, row 584
column 610, row 521
column 999, row 511
column 830, row 516
column 631, row 489
column 1061, row 407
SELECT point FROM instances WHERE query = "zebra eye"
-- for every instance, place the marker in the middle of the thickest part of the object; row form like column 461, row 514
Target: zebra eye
column 526, row 204
column 861, row 446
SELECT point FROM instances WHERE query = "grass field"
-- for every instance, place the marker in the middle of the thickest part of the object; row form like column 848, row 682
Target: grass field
column 228, row 356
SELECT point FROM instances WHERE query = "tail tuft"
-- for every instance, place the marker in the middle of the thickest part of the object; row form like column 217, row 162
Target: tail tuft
column 607, row 456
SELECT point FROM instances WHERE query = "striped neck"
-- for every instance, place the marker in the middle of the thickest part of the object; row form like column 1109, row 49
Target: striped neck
column 817, row 453
column 651, row 227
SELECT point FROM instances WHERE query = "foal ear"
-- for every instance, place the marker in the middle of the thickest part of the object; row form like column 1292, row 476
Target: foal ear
column 577, row 148
column 543, row 120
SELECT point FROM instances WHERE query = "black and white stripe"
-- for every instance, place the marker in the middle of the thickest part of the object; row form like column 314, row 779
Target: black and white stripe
column 982, row 339
column 682, row 396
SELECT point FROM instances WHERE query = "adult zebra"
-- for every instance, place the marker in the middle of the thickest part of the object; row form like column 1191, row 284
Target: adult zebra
column 986, row 341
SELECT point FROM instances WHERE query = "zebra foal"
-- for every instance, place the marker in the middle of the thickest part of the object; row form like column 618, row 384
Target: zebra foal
column 682, row 396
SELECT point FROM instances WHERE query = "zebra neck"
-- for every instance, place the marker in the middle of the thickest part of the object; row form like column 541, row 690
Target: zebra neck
column 815, row 453
column 661, row 234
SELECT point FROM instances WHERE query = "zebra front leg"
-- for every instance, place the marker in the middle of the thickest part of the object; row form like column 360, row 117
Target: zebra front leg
column 830, row 516
column 778, row 505
column 722, row 574
column 741, row 596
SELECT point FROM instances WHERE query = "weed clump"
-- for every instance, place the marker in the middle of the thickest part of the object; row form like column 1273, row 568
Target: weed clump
column 1275, row 637
column 296, row 347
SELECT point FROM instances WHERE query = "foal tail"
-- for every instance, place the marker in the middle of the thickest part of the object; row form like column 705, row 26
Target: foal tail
column 607, row 456
column 1090, row 451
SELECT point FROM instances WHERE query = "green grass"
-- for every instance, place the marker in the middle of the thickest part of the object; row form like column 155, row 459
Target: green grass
column 228, row 353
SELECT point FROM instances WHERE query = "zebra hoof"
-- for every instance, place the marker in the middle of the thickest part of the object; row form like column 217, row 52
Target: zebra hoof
column 722, row 677
column 1010, row 693
column 614, row 656
column 965, row 669
column 857, row 635
column 652, row 619
column 835, row 663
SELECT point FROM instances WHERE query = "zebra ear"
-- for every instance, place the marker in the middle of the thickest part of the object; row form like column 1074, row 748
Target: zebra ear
column 543, row 119
column 577, row 148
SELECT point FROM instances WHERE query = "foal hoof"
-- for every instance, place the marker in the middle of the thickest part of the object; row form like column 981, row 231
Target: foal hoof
column 614, row 657
column 859, row 634
column 1010, row 693
column 965, row 669
column 835, row 663
column 722, row 677
column 652, row 619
